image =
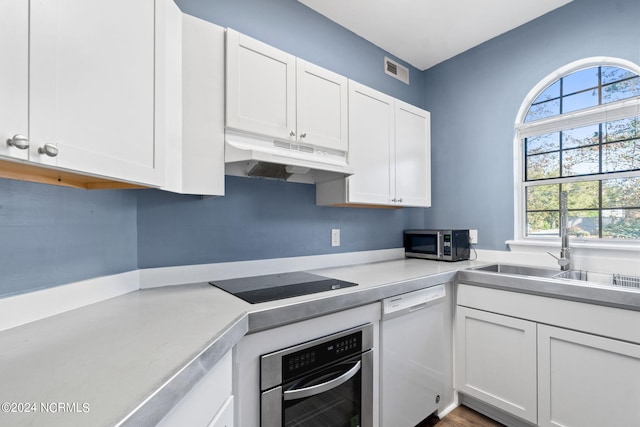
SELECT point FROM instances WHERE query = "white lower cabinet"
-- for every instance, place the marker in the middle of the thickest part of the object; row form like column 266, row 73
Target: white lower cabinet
column 548, row 361
column 496, row 361
column 586, row 380
column 209, row 403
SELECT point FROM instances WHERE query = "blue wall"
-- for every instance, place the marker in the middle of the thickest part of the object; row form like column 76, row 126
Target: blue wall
column 474, row 99
column 256, row 219
column 55, row 235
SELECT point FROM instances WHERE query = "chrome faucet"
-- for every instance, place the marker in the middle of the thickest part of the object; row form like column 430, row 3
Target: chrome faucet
column 565, row 252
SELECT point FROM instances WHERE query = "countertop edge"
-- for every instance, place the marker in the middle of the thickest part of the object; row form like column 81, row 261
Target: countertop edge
column 263, row 319
column 155, row 407
column 583, row 292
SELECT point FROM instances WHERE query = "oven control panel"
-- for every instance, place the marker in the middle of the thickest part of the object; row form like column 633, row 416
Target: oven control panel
column 304, row 361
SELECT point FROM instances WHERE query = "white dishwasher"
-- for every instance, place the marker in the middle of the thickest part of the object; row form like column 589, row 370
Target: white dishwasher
column 412, row 356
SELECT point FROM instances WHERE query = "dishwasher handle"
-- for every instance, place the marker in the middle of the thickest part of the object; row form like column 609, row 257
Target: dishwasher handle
column 412, row 301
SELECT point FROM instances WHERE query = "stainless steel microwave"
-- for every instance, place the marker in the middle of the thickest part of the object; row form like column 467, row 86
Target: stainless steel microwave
column 442, row 245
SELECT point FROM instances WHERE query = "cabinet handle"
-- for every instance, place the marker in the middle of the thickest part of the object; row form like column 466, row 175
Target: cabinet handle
column 48, row 149
column 393, row 200
column 21, row 142
column 292, row 133
column 400, row 200
column 303, row 135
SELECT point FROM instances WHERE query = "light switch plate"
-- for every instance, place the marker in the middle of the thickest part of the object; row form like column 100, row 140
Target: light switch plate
column 335, row 237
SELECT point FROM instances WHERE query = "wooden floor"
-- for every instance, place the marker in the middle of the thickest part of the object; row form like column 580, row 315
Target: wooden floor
column 460, row 417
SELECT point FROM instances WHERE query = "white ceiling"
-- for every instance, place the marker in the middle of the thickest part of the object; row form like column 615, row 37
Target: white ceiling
column 427, row 32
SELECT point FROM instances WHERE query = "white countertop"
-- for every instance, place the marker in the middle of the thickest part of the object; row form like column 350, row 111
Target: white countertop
column 133, row 354
column 105, row 359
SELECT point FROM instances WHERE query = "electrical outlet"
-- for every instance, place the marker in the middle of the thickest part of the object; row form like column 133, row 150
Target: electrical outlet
column 335, row 237
column 473, row 237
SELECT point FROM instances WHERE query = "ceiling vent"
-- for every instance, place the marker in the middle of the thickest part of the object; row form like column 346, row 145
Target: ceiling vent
column 396, row 70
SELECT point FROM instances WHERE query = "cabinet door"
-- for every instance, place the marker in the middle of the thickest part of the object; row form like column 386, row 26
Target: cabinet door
column 261, row 88
column 412, row 156
column 585, row 380
column 371, row 131
column 321, row 107
column 496, row 361
column 93, row 86
column 207, row 401
column 14, row 74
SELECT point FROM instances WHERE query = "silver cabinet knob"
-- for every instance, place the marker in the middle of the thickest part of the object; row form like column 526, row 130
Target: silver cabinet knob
column 48, row 149
column 400, row 200
column 292, row 133
column 303, row 135
column 21, row 142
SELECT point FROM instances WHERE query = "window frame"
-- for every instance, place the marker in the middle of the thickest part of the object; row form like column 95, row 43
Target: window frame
column 598, row 114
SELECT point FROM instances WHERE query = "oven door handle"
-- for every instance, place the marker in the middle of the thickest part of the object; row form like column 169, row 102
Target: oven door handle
column 321, row 388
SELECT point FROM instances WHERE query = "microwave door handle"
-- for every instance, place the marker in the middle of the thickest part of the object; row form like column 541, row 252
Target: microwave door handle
column 321, row 388
column 439, row 253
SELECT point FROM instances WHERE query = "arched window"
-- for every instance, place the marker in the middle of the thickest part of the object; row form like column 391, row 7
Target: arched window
column 579, row 131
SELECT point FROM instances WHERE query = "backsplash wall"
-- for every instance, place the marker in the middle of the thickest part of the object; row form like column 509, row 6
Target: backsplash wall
column 53, row 235
column 258, row 219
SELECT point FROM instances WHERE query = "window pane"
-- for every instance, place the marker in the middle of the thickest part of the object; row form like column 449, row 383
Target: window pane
column 621, row 90
column 578, row 137
column 580, row 80
column 582, row 195
column 580, row 161
column 543, row 110
column 622, row 129
column 583, row 224
column 579, row 101
column 543, row 197
column 621, row 224
column 621, row 156
column 552, row 91
column 613, row 74
column 543, row 143
column 622, row 192
column 542, row 166
column 542, row 224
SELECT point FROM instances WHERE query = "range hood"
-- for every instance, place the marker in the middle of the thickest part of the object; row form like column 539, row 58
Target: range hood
column 251, row 155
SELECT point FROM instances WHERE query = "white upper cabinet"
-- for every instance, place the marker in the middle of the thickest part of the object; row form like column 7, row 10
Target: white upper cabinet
column 261, row 87
column 371, row 130
column 14, row 79
column 275, row 94
column 92, row 87
column 90, row 75
column 321, row 107
column 390, row 149
column 412, row 155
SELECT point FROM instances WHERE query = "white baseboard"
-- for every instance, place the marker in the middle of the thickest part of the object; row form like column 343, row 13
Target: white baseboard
column 169, row 276
column 19, row 309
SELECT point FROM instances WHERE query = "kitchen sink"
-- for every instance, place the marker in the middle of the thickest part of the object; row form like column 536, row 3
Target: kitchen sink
column 523, row 270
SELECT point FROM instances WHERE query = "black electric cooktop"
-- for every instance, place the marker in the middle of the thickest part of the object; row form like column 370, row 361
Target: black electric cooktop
column 273, row 287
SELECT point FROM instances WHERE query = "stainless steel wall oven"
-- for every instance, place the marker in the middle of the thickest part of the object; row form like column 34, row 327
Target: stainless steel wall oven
column 326, row 382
